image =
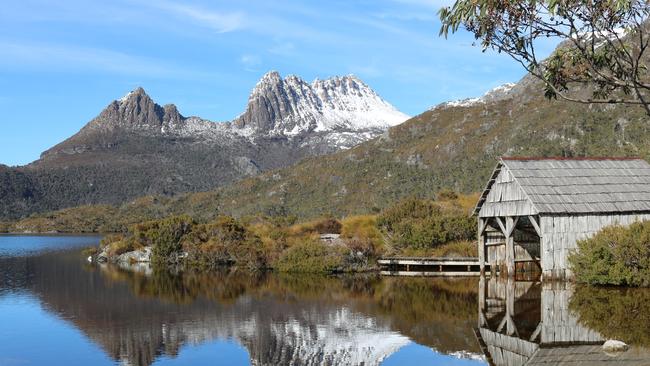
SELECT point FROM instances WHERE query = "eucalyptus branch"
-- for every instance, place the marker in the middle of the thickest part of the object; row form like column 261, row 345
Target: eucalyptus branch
column 595, row 53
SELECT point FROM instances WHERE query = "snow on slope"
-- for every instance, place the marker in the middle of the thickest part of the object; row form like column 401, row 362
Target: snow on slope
column 292, row 107
column 330, row 114
column 497, row 93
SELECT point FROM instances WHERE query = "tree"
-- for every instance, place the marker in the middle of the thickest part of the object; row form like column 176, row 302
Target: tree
column 603, row 45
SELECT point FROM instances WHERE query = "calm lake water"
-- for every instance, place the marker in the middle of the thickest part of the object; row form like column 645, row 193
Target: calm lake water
column 58, row 309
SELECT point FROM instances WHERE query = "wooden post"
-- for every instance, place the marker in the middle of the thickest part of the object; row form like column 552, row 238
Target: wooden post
column 500, row 259
column 482, row 322
column 511, row 328
column 511, row 222
column 481, row 243
column 536, row 222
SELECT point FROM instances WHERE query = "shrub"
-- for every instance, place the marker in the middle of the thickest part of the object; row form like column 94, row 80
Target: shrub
column 312, row 257
column 326, row 225
column 447, row 195
column 122, row 246
column 164, row 236
column 424, row 224
column 361, row 234
column 454, row 249
column 617, row 255
column 224, row 241
column 110, row 238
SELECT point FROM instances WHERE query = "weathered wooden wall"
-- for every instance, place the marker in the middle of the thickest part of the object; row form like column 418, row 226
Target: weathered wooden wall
column 559, row 324
column 526, row 245
column 560, row 235
column 506, row 198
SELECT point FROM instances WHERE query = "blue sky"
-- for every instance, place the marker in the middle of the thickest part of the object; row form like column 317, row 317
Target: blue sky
column 62, row 62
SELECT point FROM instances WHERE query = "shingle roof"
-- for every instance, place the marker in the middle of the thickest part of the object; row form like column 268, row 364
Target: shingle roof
column 584, row 185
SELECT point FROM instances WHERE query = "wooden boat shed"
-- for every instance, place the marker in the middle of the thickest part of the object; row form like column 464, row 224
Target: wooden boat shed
column 533, row 211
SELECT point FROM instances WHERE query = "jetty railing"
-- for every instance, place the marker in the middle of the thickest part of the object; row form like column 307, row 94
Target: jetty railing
column 427, row 266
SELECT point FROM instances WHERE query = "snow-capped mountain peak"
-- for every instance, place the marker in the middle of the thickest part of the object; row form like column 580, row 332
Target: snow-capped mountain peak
column 290, row 106
column 319, row 117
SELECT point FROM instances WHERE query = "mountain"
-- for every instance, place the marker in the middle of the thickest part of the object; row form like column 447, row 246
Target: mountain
column 452, row 145
column 136, row 147
column 343, row 111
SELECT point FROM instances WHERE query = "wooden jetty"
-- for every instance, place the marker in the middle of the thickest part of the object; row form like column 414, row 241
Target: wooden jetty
column 426, row 266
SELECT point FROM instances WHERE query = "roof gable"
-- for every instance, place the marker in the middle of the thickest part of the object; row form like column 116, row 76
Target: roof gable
column 504, row 196
column 599, row 185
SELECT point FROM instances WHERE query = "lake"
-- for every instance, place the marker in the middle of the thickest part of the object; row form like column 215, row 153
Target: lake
column 58, row 309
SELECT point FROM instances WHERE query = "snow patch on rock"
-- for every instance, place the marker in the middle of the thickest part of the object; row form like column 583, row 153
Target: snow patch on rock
column 291, row 107
column 498, row 93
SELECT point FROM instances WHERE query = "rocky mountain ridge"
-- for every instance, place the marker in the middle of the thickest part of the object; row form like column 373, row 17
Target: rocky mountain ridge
column 336, row 113
column 291, row 107
column 137, row 147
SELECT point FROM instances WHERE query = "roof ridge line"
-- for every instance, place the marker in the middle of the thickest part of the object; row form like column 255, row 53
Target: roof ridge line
column 560, row 158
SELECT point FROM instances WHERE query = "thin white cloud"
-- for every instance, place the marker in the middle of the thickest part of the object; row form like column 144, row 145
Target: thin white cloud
column 220, row 21
column 251, row 62
column 57, row 57
column 283, row 48
column 271, row 21
column 370, row 70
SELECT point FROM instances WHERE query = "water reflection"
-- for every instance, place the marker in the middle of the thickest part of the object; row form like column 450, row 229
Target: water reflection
column 140, row 318
column 148, row 317
column 555, row 323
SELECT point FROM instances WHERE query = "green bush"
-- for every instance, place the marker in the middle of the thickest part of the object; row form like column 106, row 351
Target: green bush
column 224, row 241
column 109, row 239
column 424, row 224
column 328, row 225
column 361, row 234
column 615, row 256
column 164, row 236
column 122, row 246
column 311, row 257
column 446, row 195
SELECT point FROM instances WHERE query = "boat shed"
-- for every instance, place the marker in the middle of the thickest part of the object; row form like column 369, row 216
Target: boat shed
column 533, row 211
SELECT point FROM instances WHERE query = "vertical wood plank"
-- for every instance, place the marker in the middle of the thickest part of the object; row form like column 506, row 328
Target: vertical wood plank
column 481, row 244
column 510, row 246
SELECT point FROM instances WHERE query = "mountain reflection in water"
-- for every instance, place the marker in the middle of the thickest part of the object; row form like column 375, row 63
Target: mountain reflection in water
column 138, row 319
column 150, row 317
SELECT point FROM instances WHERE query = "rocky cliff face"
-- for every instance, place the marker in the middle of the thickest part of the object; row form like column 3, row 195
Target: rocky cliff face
column 136, row 147
column 292, row 107
column 324, row 116
column 137, row 111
